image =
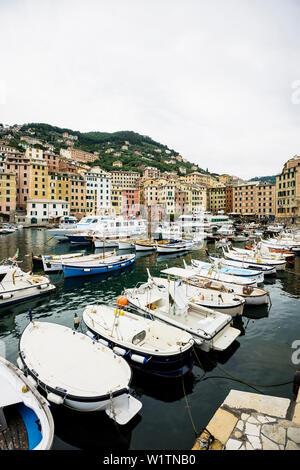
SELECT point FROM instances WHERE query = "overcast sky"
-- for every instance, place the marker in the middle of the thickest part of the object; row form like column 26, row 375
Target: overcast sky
column 217, row 81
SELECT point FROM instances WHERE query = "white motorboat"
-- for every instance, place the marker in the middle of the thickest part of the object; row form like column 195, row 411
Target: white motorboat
column 282, row 244
column 266, row 269
column 53, row 263
column 228, row 303
column 76, row 371
column 252, row 295
column 148, row 345
column 174, row 246
column 226, row 230
column 26, row 422
column 17, row 286
column 210, row 329
column 262, row 251
column 251, row 274
column 255, row 260
column 100, row 226
column 210, row 271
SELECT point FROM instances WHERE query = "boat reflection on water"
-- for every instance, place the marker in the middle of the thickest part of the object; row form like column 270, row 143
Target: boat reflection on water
column 9, row 312
column 90, row 431
column 166, row 390
column 208, row 361
column 183, row 255
column 260, row 311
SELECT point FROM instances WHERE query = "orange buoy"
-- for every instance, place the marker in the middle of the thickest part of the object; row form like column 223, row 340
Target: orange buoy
column 121, row 301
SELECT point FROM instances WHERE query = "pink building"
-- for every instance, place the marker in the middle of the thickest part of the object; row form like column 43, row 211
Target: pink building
column 52, row 160
column 130, row 202
column 151, row 172
column 20, row 165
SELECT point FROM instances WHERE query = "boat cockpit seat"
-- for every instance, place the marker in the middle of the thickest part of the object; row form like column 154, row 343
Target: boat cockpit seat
column 3, row 423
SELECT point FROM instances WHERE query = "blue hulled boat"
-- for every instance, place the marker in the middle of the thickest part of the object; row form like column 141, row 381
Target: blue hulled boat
column 112, row 263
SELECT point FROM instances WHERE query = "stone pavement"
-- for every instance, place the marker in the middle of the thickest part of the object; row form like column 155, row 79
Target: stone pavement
column 249, row 421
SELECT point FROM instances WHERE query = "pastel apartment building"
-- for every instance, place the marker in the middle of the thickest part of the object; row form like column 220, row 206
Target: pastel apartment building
column 288, row 189
column 254, row 199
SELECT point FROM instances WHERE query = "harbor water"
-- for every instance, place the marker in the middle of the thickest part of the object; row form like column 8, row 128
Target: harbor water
column 172, row 412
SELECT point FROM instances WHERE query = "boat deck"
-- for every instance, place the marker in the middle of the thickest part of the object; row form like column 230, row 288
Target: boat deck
column 13, row 435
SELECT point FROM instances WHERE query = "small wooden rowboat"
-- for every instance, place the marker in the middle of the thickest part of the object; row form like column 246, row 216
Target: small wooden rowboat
column 25, row 419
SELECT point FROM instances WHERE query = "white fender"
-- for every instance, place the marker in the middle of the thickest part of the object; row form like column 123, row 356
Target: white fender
column 55, row 398
column 119, row 351
column 139, row 359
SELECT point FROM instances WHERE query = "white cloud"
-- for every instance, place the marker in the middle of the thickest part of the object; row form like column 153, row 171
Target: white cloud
column 211, row 79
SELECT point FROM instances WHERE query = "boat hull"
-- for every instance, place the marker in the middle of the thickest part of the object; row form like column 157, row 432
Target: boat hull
column 145, row 247
column 22, row 295
column 169, row 367
column 78, row 271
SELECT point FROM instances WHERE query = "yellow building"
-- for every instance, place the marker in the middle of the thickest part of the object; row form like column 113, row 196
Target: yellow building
column 288, row 189
column 59, row 186
column 116, row 199
column 38, row 179
column 8, row 192
column 202, row 179
column 124, row 179
column 196, row 197
column 77, row 195
column 216, row 199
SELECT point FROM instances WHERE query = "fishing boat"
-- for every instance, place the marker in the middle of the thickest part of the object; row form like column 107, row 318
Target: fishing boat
column 260, row 250
column 147, row 345
column 105, row 242
column 254, row 275
column 76, row 371
column 255, row 260
column 212, row 272
column 37, row 260
column 126, row 244
column 221, row 302
column 266, row 269
column 26, row 422
column 145, row 245
column 252, row 295
column 210, row 329
column 99, row 266
column 54, row 263
column 174, row 246
column 17, row 286
column 284, row 245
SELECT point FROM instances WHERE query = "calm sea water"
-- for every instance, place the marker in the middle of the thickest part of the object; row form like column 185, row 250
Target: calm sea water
column 261, row 355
